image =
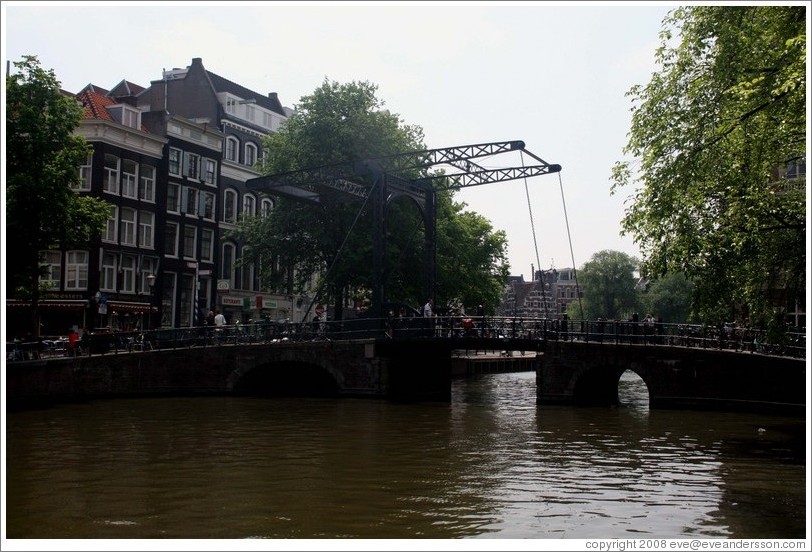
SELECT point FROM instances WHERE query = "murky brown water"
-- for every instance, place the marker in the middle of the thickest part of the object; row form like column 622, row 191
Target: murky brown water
column 491, row 464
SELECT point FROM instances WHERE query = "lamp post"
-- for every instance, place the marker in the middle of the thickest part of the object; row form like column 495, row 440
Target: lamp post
column 151, row 284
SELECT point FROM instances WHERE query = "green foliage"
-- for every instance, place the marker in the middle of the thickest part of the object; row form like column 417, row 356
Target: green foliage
column 725, row 111
column 472, row 265
column 341, row 123
column 42, row 162
column 670, row 298
column 608, row 284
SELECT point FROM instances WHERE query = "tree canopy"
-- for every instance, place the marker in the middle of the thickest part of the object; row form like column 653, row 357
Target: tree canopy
column 608, row 284
column 42, row 163
column 713, row 135
column 346, row 123
column 670, row 298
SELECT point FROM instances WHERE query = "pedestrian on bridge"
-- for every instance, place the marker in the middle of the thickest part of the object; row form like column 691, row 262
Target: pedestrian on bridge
column 428, row 314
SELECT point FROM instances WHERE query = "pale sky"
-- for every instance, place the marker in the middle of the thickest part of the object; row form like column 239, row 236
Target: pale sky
column 553, row 74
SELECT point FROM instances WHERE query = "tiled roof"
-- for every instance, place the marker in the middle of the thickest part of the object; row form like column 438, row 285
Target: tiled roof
column 95, row 104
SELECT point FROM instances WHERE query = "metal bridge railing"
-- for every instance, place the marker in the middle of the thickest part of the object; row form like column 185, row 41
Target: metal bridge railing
column 610, row 332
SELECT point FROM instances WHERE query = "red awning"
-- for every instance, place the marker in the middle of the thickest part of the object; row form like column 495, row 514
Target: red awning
column 129, row 306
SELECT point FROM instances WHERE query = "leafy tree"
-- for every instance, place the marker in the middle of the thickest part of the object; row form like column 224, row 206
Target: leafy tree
column 608, row 284
column 712, row 132
column 344, row 123
column 42, row 162
column 472, row 265
column 670, row 298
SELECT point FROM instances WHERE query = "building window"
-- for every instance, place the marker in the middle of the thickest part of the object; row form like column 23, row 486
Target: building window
column 131, row 118
column 207, row 205
column 127, row 224
column 230, row 206
column 248, row 205
column 175, row 156
column 247, row 272
column 146, row 225
column 52, row 262
column 110, row 234
column 232, row 147
column 127, row 274
column 128, row 178
column 126, row 116
column 206, row 245
column 173, row 198
column 111, row 168
column 189, row 241
column 146, row 189
column 250, row 154
column 210, row 176
column 189, row 201
column 266, row 207
column 191, row 165
column 76, row 270
column 85, row 173
column 227, row 263
column 171, row 243
column 109, row 270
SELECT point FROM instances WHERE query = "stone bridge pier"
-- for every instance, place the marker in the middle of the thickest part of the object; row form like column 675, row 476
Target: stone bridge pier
column 580, row 373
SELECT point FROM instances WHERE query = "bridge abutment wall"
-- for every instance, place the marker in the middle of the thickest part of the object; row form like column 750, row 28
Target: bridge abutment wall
column 357, row 368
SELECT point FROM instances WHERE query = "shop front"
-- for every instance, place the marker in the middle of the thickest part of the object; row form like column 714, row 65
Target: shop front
column 128, row 316
column 250, row 308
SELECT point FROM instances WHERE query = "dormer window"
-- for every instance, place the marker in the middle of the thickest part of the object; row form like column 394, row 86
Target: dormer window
column 126, row 115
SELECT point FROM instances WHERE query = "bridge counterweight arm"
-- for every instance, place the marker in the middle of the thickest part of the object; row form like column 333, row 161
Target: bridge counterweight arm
column 458, row 156
column 467, row 180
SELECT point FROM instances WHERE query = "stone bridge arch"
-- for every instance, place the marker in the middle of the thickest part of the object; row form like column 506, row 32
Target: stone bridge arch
column 285, row 378
column 573, row 372
column 598, row 385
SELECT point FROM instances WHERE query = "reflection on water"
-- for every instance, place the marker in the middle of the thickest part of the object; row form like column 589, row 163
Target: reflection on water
column 489, row 464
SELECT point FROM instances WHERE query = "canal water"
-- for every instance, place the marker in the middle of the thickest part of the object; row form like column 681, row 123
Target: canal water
column 491, row 464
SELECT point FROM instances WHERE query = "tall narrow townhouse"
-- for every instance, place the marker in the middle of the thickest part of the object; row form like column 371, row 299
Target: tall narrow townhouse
column 188, row 229
column 116, row 276
column 243, row 117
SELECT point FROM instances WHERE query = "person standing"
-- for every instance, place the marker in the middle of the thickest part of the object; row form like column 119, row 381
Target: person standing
column 428, row 313
column 73, row 342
